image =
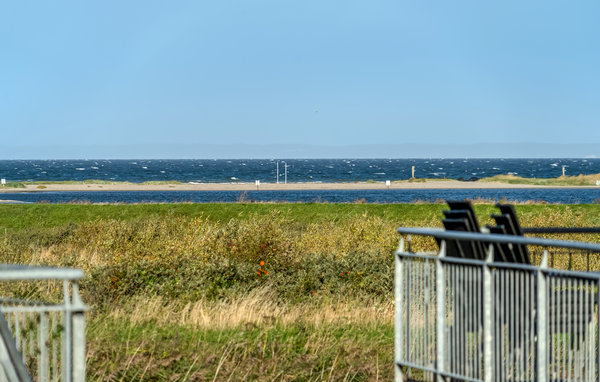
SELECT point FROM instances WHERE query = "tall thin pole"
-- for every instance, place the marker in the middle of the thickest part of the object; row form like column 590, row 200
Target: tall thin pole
column 285, row 167
column 277, row 172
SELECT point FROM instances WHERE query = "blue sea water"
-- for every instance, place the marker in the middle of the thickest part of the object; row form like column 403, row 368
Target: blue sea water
column 298, row 170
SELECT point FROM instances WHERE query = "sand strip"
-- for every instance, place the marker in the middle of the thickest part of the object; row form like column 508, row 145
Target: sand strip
column 446, row 184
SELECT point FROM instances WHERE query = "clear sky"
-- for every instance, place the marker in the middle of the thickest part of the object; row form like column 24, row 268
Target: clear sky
column 298, row 72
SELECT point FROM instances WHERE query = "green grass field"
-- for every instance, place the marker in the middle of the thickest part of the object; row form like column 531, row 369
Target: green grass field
column 284, row 292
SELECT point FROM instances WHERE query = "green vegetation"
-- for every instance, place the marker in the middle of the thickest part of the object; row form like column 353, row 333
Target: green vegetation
column 292, row 292
column 13, row 185
column 579, row 180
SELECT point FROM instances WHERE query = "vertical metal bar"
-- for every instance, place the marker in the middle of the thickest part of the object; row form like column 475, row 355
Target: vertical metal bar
column 31, row 334
column 78, row 321
column 525, row 356
column 530, row 326
column 586, row 332
column 399, row 307
column 43, row 365
column 591, row 338
column 24, row 348
column 441, row 311
column 455, row 308
column 551, row 326
column 593, row 328
column 502, row 324
column 426, row 315
column 470, row 302
column 53, row 336
column 460, row 319
column 569, row 318
column 463, row 319
column 557, row 324
column 597, row 347
column 18, row 330
column 66, row 339
column 432, row 313
column 581, row 333
column 488, row 323
column 498, row 326
column 422, row 334
column 511, row 322
column 564, row 319
column 542, row 375
column 479, row 322
column 522, row 323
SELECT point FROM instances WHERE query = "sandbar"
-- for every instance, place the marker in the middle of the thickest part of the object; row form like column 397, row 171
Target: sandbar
column 430, row 184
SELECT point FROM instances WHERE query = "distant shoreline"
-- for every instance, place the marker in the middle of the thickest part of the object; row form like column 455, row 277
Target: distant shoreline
column 401, row 185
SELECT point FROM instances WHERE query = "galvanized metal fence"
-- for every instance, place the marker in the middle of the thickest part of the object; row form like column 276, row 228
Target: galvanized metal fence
column 42, row 335
column 484, row 320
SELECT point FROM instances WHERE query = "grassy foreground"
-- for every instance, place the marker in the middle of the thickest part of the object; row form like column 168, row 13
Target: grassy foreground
column 285, row 292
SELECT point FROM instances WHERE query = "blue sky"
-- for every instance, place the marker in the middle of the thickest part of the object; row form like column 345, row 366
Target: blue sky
column 307, row 72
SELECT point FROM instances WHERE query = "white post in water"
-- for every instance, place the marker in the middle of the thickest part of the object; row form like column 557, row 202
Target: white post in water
column 413, row 172
column 277, row 172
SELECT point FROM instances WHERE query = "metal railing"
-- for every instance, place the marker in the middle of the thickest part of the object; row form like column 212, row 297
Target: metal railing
column 484, row 320
column 42, row 325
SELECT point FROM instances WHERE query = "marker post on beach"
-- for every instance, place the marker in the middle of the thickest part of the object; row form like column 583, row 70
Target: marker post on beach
column 564, row 170
column 387, row 184
column 257, row 182
column 3, row 182
column 413, row 172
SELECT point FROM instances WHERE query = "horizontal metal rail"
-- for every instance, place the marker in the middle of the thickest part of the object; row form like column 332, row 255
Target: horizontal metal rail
column 14, row 272
column 497, row 238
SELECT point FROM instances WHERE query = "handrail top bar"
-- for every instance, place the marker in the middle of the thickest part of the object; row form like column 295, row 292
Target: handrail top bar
column 14, row 272
column 440, row 233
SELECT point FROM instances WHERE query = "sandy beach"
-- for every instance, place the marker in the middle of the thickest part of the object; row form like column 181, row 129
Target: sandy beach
column 445, row 184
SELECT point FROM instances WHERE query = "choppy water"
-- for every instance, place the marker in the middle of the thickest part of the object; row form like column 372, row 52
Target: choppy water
column 298, row 170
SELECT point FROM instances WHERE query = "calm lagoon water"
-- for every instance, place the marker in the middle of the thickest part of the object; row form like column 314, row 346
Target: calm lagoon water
column 557, row 195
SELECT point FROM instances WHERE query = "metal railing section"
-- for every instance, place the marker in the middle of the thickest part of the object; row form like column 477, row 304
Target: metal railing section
column 483, row 320
column 41, row 340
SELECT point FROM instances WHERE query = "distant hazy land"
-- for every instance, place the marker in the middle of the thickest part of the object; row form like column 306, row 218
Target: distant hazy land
column 245, row 151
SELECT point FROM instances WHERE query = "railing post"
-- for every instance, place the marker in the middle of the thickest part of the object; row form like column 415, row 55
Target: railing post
column 399, row 303
column 67, row 344
column 542, row 323
column 488, row 322
column 440, row 311
column 78, row 322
